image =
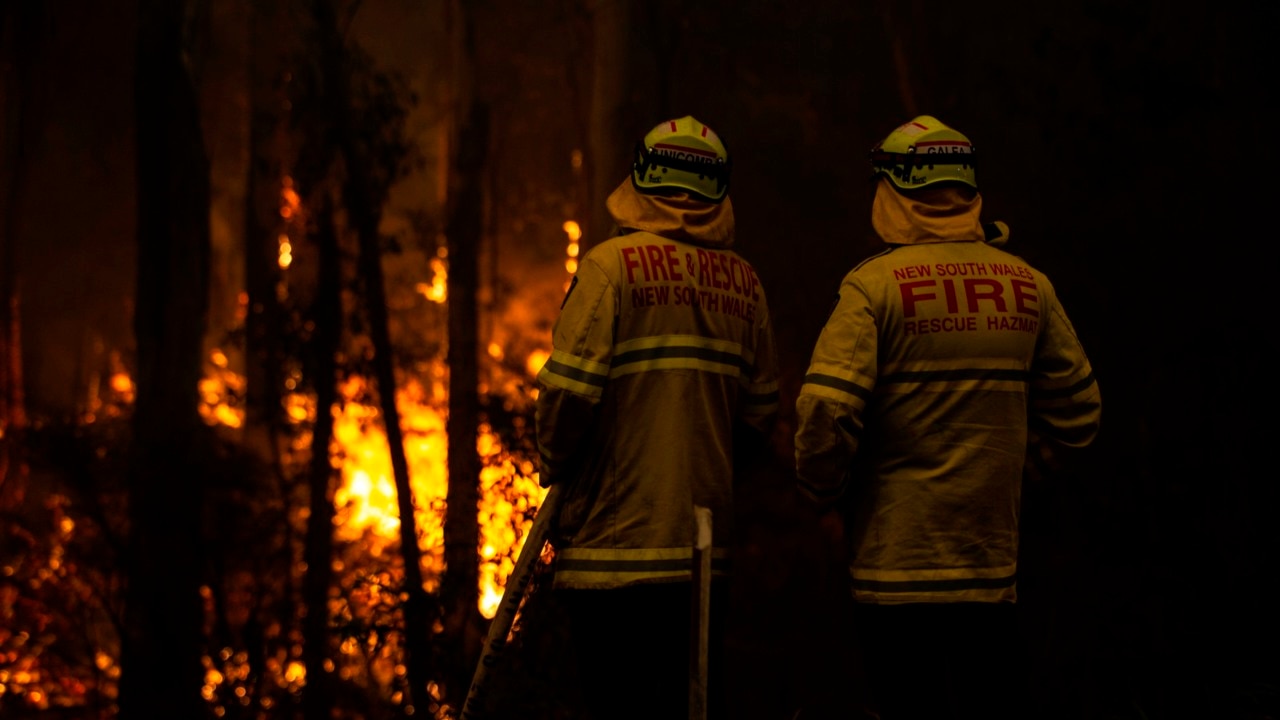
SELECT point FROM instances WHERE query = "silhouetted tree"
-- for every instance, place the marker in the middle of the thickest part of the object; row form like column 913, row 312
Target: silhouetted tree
column 319, row 695
column 18, row 81
column 370, row 161
column 163, row 639
column 609, row 106
column 464, row 230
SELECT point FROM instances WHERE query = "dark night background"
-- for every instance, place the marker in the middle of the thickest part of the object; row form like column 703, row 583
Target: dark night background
column 1127, row 144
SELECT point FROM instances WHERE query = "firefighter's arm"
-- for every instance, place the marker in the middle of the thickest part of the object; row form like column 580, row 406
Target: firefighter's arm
column 571, row 383
column 1065, row 403
column 760, row 402
column 837, row 386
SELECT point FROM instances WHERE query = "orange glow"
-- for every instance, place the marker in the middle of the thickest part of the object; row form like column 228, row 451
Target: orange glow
column 537, row 358
column 286, row 251
column 366, row 528
column 366, row 498
column 219, row 390
column 574, row 232
column 290, row 202
column 437, row 291
column 122, row 383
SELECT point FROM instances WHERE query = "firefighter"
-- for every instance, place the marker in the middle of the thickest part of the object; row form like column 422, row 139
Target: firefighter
column 942, row 359
column 662, row 369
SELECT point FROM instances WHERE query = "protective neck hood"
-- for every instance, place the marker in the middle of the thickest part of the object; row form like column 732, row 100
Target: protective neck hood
column 928, row 215
column 678, row 217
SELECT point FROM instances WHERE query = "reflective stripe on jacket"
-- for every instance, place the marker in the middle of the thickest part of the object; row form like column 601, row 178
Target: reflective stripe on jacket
column 662, row 349
column 940, row 353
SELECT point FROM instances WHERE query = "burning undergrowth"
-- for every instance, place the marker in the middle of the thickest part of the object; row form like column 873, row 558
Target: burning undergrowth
column 61, row 588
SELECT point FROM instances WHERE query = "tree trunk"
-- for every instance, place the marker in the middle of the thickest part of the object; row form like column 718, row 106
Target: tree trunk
column 609, row 153
column 18, row 50
column 364, row 211
column 262, row 225
column 464, row 230
column 905, row 45
column 460, row 588
column 163, row 640
column 263, row 355
column 317, row 646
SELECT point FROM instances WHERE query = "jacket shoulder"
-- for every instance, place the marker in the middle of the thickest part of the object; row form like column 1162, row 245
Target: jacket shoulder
column 871, row 261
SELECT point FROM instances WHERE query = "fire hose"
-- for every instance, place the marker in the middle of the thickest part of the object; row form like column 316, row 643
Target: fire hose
column 512, row 595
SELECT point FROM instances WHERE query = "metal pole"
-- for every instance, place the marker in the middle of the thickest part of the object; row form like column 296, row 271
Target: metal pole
column 701, row 614
column 512, row 595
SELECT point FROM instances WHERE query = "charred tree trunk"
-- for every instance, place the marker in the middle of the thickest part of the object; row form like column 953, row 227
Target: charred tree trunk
column 460, row 589
column 17, row 84
column 163, row 640
column 265, row 424
column 905, row 45
column 317, row 645
column 264, row 319
column 364, row 210
column 607, row 155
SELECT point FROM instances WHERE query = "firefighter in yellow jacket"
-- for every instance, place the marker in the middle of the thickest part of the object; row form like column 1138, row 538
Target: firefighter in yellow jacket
column 663, row 365
column 942, row 357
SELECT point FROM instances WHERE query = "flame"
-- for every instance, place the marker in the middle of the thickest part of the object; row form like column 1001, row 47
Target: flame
column 366, row 522
column 290, row 201
column 286, row 251
column 291, row 212
column 437, row 291
column 122, row 383
column 366, row 499
column 574, row 232
column 536, row 360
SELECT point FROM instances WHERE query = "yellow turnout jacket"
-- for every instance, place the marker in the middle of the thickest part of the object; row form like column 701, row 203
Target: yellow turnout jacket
column 940, row 354
column 662, row 348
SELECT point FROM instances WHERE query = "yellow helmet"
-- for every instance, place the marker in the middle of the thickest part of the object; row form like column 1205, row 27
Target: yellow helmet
column 682, row 155
column 922, row 152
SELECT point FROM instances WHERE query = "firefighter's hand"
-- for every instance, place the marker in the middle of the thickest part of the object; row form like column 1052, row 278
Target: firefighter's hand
column 831, row 528
column 545, row 477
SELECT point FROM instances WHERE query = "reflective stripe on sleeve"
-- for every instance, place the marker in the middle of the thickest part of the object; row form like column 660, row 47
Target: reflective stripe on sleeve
column 834, row 388
column 935, row 580
column 1059, row 393
column 761, row 398
column 615, row 567
column 575, row 374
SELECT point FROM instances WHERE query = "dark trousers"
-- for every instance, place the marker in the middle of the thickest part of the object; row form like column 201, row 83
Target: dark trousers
column 945, row 661
column 632, row 650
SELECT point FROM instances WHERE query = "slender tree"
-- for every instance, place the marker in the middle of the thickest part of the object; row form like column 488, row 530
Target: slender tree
column 163, row 639
column 264, row 320
column 319, row 696
column 464, row 230
column 363, row 195
column 611, row 21
column 18, row 83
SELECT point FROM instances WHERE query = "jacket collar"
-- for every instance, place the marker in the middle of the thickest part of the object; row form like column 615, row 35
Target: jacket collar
column 678, row 217
column 931, row 215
